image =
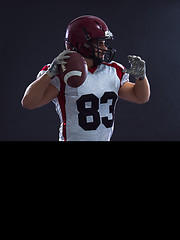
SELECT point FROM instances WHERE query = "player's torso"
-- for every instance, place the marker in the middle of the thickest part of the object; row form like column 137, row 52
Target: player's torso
column 89, row 109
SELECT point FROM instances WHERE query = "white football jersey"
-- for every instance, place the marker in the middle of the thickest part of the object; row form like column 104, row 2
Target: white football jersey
column 87, row 113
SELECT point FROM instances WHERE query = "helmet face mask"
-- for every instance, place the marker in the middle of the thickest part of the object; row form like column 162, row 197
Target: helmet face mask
column 99, row 54
column 89, row 36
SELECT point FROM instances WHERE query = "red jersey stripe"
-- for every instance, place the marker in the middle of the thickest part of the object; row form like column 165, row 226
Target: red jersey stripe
column 62, row 102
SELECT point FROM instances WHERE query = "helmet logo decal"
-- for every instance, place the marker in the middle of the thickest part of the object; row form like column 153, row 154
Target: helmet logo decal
column 108, row 34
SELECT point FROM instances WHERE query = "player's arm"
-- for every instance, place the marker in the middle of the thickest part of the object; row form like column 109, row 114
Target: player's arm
column 41, row 92
column 138, row 92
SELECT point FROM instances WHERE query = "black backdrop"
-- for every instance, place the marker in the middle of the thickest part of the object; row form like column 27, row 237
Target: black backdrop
column 32, row 34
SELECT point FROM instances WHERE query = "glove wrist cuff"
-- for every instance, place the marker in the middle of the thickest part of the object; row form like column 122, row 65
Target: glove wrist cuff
column 141, row 77
column 51, row 75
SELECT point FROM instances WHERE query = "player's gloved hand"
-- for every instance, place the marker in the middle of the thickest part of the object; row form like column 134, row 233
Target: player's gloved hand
column 138, row 67
column 60, row 59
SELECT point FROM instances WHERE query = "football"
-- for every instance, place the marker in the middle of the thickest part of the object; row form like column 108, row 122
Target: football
column 75, row 71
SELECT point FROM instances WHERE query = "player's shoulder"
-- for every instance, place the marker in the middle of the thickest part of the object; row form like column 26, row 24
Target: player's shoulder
column 116, row 65
column 117, row 69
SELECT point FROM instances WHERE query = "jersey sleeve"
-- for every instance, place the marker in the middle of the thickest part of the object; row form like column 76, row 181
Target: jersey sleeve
column 54, row 81
column 124, row 77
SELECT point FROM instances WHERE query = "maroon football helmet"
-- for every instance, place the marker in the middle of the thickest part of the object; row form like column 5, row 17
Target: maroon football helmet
column 81, row 34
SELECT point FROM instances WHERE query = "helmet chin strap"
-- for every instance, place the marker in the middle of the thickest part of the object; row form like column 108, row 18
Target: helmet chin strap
column 97, row 61
column 96, row 54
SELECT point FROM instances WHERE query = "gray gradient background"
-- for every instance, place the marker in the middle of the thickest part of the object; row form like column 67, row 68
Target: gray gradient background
column 32, row 35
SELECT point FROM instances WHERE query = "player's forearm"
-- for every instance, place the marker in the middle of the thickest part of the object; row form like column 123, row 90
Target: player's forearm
column 142, row 90
column 35, row 92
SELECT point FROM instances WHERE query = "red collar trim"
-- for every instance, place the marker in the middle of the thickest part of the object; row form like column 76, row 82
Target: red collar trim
column 92, row 69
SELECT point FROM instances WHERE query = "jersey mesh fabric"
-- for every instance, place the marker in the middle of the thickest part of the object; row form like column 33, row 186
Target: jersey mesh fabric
column 86, row 113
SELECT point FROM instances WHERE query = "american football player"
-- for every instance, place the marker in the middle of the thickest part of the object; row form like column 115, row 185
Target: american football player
column 87, row 112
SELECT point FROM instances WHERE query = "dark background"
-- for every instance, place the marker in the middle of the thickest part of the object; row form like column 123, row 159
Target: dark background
column 32, row 34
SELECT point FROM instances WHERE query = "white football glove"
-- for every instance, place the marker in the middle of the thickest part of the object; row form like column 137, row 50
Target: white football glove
column 138, row 67
column 59, row 60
